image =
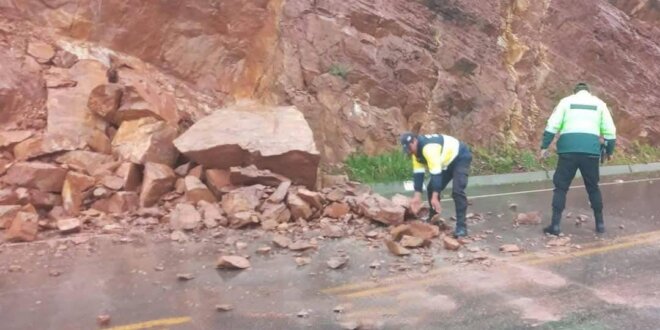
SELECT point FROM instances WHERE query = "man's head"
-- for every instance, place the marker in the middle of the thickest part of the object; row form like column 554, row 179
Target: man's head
column 581, row 87
column 409, row 143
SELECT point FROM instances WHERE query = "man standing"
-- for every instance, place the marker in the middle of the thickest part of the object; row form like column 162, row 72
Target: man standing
column 445, row 158
column 580, row 120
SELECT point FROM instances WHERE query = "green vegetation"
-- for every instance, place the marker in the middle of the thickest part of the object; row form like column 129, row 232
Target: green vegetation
column 387, row 167
column 395, row 166
column 339, row 70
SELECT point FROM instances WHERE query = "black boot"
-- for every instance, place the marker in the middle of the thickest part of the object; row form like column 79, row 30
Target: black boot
column 553, row 229
column 600, row 224
column 432, row 213
column 461, row 229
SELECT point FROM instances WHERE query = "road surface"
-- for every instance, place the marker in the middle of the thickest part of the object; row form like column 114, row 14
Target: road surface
column 608, row 282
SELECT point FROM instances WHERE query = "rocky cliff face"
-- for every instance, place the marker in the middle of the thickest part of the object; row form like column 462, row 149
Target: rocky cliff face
column 361, row 71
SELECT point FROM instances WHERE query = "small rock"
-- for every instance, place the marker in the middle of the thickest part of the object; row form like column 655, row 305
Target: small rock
column 303, row 313
column 510, row 248
column 337, row 262
column 185, row 276
column 185, row 217
column 103, row 320
column 15, row 268
column 374, row 265
column 560, row 241
column 332, row 231
column 473, row 249
column 450, row 243
column 232, row 262
column 281, row 241
column 411, row 241
column 301, row 246
column 159, row 268
column 68, row 226
column 622, row 227
column 241, row 245
column 513, row 206
column 371, row 234
column 179, row 236
column 396, row 248
column 302, row 261
column 269, row 224
column 224, row 307
column 529, row 218
column 264, row 250
column 54, row 273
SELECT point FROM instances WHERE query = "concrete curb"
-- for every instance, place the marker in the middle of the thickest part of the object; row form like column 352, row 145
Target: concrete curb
column 501, row 179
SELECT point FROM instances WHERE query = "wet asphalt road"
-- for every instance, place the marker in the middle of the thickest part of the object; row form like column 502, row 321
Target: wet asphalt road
column 609, row 282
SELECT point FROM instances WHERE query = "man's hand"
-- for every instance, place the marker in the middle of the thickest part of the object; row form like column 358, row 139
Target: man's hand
column 544, row 154
column 416, row 202
column 435, row 203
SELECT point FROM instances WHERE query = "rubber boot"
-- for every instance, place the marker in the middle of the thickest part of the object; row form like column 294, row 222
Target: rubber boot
column 461, row 229
column 553, row 229
column 432, row 213
column 600, row 224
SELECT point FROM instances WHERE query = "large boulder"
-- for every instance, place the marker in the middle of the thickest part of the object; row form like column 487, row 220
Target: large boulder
column 22, row 91
column 68, row 114
column 131, row 175
column 42, row 176
column 10, row 138
column 87, row 161
column 274, row 138
column 381, row 209
column 104, row 100
column 23, row 228
column 119, row 202
column 158, row 180
column 75, row 185
column 144, row 100
column 41, row 51
column 242, row 199
column 41, row 145
column 197, row 191
column 146, row 140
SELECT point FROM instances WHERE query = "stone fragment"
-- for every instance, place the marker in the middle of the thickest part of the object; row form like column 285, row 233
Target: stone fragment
column 510, row 248
column 73, row 191
column 185, row 276
column 232, row 262
column 529, row 218
column 217, row 181
column 396, row 248
column 450, row 243
column 69, row 225
column 104, row 101
column 11, row 138
column 7, row 215
column 143, row 100
column 274, row 138
column 118, row 203
column 381, row 209
column 332, row 231
column 312, row 198
column 158, row 180
column 146, row 140
column 211, row 214
column 243, row 219
column 337, row 262
column 301, row 246
column 37, row 175
column 224, row 308
column 64, row 59
column 242, row 199
column 41, row 51
column 23, row 228
column 299, row 208
column 411, row 241
column 185, row 217
column 197, row 191
column 251, row 175
column 84, row 161
column 336, row 210
column 131, row 175
column 281, row 241
column 280, row 193
column 278, row 213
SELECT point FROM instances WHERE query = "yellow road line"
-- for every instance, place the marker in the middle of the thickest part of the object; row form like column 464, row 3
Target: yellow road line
column 153, row 323
column 356, row 290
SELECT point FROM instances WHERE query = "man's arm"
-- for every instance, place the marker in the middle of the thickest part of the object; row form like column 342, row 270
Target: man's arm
column 554, row 126
column 607, row 129
column 432, row 153
column 418, row 174
column 418, row 183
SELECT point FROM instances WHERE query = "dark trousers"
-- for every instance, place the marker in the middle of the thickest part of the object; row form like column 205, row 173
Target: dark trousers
column 458, row 171
column 566, row 168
